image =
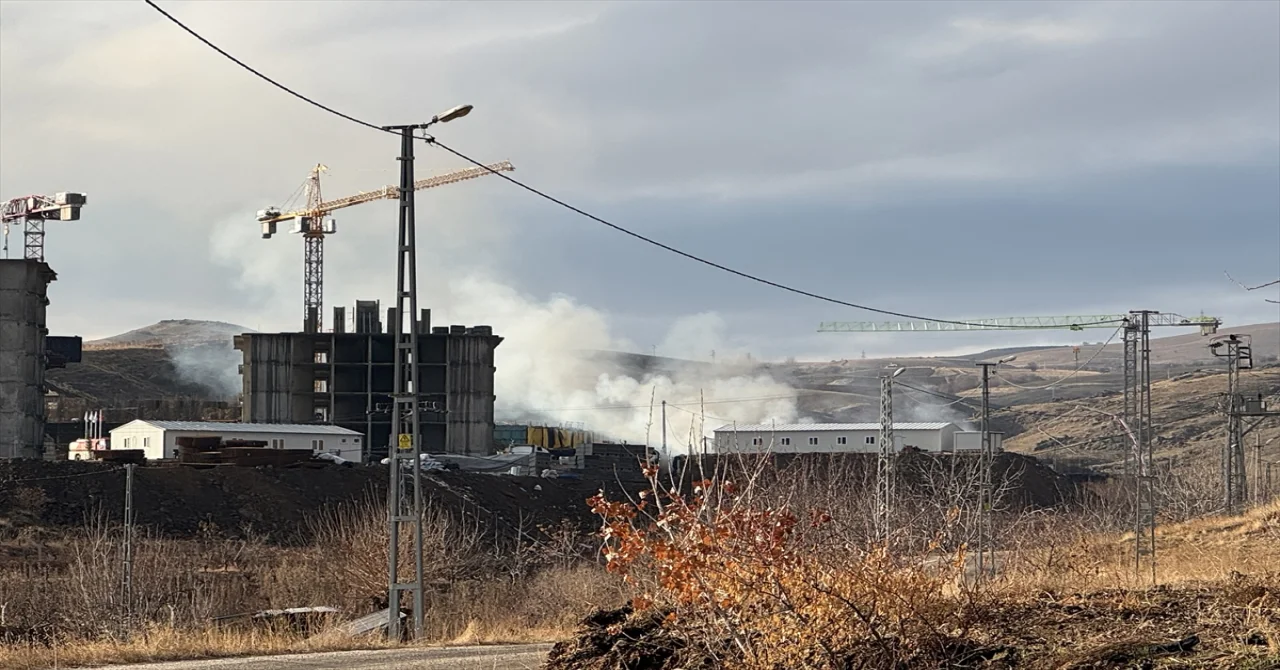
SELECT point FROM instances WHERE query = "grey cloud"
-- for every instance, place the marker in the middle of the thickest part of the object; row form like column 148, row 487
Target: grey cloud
column 775, row 136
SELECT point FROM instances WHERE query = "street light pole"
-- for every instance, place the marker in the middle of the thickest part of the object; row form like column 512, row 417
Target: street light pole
column 985, row 460
column 406, row 395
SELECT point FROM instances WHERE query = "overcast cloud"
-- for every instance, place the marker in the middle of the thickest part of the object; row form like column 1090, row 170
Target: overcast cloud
column 948, row 159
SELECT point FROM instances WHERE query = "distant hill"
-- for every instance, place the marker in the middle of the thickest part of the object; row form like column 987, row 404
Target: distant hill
column 167, row 359
column 172, row 333
column 1178, row 350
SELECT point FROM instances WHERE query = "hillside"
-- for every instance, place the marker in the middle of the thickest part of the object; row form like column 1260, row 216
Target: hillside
column 171, row 358
column 1179, row 350
column 1189, row 428
column 172, row 333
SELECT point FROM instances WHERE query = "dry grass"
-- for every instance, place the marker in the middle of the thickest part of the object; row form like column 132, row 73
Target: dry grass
column 1073, row 557
column 62, row 605
column 164, row 643
column 763, row 576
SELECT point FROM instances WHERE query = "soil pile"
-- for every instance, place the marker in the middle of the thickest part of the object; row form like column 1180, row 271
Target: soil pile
column 273, row 503
column 1223, row 625
column 623, row 639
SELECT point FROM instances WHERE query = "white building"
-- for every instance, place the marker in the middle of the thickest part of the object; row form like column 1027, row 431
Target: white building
column 826, row 438
column 158, row 439
column 971, row 440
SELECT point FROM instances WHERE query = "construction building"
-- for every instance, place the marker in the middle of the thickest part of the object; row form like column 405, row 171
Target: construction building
column 345, row 378
column 803, row 438
column 26, row 351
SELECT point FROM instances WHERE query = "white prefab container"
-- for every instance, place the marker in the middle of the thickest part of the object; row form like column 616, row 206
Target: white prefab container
column 971, row 440
column 802, row 438
column 158, row 439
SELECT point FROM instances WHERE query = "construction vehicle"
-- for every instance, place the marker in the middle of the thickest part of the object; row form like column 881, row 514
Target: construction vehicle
column 31, row 212
column 314, row 223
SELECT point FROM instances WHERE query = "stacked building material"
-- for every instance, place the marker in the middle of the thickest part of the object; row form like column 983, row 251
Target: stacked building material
column 247, row 453
column 198, row 449
column 606, row 461
column 121, row 456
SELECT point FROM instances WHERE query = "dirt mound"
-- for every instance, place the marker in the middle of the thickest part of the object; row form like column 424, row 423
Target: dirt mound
column 1026, row 482
column 622, row 639
column 275, row 503
column 1223, row 625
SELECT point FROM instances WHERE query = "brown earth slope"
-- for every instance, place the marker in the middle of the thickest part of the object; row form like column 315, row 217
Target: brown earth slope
column 1188, row 422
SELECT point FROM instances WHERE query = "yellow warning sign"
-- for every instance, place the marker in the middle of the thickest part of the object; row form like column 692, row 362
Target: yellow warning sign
column 405, row 441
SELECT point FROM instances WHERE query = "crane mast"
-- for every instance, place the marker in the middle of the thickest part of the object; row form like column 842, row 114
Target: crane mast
column 314, row 224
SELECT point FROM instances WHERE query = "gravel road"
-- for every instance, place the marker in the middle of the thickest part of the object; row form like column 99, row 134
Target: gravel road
column 495, row 657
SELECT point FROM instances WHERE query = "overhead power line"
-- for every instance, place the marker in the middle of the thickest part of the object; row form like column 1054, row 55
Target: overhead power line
column 1069, row 376
column 648, row 240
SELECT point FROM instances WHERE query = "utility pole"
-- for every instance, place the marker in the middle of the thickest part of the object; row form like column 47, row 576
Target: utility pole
column 1137, row 419
column 1259, row 495
column 406, row 507
column 886, row 472
column 128, row 549
column 1238, row 351
column 986, row 460
column 664, row 429
column 984, row 473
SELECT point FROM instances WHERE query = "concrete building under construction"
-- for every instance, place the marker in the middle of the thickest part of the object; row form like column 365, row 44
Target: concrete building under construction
column 345, row 378
column 23, row 298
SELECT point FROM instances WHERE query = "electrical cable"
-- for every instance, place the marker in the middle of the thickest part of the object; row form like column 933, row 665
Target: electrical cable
column 43, row 479
column 1063, row 379
column 698, row 259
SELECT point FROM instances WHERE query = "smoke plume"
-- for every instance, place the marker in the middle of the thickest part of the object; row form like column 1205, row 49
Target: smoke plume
column 548, row 366
column 213, row 366
column 552, row 367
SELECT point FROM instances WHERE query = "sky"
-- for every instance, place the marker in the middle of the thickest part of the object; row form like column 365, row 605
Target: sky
column 951, row 160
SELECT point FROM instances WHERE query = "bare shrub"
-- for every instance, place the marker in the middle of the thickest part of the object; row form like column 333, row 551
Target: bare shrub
column 773, row 585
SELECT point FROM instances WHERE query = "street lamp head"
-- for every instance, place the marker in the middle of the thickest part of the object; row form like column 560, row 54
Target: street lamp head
column 455, row 113
column 1007, row 359
column 898, row 372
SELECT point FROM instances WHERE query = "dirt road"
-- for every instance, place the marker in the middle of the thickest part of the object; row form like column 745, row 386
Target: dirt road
column 497, row 657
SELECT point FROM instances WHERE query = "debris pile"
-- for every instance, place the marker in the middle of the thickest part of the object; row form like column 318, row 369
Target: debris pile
column 1235, row 624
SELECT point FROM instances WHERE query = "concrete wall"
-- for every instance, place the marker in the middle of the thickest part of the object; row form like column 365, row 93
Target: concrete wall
column 23, row 298
column 829, row 441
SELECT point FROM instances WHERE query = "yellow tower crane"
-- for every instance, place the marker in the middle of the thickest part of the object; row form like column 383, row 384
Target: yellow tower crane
column 314, row 223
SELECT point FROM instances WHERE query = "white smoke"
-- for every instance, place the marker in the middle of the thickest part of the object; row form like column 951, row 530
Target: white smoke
column 213, row 366
column 542, row 371
column 545, row 371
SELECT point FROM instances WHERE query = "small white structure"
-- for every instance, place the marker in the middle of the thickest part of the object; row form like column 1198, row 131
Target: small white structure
column 829, row 438
column 158, row 439
column 971, row 440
